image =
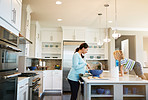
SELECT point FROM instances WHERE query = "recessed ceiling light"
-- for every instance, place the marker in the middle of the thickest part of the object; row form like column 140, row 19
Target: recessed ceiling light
column 58, row 2
column 59, row 19
column 110, row 21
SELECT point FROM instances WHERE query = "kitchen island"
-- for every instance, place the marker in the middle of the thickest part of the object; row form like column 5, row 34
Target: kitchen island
column 129, row 87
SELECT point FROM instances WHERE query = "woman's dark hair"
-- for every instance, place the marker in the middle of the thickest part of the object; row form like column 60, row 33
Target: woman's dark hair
column 83, row 45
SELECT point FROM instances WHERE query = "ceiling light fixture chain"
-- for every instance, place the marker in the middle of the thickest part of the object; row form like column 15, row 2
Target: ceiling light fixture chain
column 100, row 42
column 116, row 35
column 106, row 30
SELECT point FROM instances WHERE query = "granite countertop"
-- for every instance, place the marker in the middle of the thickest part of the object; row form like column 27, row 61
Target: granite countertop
column 22, row 78
column 108, row 79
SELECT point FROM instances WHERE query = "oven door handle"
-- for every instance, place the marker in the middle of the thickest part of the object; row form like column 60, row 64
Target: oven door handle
column 13, row 75
column 36, row 87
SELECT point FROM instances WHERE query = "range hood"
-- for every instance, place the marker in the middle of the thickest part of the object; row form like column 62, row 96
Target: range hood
column 23, row 40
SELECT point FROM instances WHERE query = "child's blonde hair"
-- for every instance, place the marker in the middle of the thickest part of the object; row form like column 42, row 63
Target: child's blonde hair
column 118, row 55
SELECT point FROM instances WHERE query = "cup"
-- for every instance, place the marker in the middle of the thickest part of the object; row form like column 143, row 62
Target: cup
column 107, row 91
column 125, row 90
column 134, row 90
column 95, row 46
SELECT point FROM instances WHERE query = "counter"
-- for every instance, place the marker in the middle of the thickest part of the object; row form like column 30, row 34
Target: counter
column 129, row 87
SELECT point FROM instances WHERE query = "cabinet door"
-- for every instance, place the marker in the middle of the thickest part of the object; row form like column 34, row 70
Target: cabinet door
column 56, row 36
column 57, row 80
column 16, row 14
column 48, row 80
column 47, row 36
column 80, row 35
column 90, row 37
column 5, row 10
column 69, row 34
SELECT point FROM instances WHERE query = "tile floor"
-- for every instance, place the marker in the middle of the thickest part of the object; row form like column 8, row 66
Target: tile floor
column 55, row 96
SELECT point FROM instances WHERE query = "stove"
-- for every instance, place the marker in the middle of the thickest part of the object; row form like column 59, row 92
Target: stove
column 28, row 74
column 33, row 85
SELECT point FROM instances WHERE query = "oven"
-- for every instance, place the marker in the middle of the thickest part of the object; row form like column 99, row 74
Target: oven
column 8, row 85
column 8, row 50
column 8, row 60
column 8, row 37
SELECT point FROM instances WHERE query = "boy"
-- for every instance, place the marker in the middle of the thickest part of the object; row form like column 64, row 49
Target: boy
column 128, row 64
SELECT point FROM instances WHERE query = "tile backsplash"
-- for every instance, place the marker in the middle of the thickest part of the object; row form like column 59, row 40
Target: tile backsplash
column 50, row 63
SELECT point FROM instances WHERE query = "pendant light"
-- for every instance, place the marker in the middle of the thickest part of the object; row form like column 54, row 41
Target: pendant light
column 100, row 43
column 116, row 35
column 106, row 30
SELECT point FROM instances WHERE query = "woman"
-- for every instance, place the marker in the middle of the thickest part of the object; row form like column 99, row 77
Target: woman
column 128, row 64
column 78, row 67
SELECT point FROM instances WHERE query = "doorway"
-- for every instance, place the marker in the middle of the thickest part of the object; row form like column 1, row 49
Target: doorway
column 131, row 47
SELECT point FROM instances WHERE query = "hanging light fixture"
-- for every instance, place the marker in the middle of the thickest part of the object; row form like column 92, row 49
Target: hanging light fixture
column 100, row 43
column 106, row 30
column 116, row 35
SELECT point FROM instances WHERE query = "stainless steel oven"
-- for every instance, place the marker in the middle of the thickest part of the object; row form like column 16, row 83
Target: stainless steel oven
column 8, row 37
column 8, row 85
column 8, row 60
column 8, row 49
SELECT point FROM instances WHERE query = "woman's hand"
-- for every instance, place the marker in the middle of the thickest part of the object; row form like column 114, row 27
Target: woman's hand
column 88, row 66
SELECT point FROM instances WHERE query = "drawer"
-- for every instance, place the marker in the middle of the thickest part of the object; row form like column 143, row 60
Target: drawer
column 22, row 85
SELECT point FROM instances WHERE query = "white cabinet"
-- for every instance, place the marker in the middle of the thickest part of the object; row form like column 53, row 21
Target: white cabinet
column 71, row 33
column 16, row 14
column 5, row 10
column 22, row 89
column 52, row 80
column 57, row 79
column 50, row 36
column 10, row 15
column 35, row 48
column 48, row 80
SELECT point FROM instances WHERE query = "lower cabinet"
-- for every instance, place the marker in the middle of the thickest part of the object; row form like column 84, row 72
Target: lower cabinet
column 116, row 92
column 52, row 80
column 22, row 90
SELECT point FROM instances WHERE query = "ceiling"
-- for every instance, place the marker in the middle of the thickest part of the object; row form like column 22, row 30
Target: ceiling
column 131, row 13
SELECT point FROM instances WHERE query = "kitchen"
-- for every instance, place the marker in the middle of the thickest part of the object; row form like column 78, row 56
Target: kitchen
column 38, row 39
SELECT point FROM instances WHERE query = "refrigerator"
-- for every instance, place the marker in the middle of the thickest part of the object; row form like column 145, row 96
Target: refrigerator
column 68, row 51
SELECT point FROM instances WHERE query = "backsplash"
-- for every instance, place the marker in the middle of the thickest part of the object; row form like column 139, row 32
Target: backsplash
column 49, row 63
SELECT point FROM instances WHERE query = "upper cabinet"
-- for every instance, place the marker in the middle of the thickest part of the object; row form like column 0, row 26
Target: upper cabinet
column 94, row 35
column 35, row 49
column 10, row 15
column 51, row 35
column 5, row 10
column 16, row 14
column 74, row 33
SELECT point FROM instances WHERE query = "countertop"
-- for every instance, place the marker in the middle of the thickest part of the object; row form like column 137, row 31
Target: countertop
column 107, row 79
column 22, row 78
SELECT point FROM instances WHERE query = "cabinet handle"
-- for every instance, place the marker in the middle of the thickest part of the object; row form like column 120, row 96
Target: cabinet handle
column 95, row 39
column 21, row 87
column 74, row 37
column 26, row 84
column 13, row 15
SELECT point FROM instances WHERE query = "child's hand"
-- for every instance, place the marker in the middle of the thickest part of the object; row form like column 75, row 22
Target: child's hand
column 120, row 75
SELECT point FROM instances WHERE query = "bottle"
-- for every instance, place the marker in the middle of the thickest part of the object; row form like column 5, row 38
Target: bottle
column 40, row 62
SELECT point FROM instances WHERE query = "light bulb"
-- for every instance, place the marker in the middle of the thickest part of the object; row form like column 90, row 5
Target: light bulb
column 116, row 35
column 107, row 39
